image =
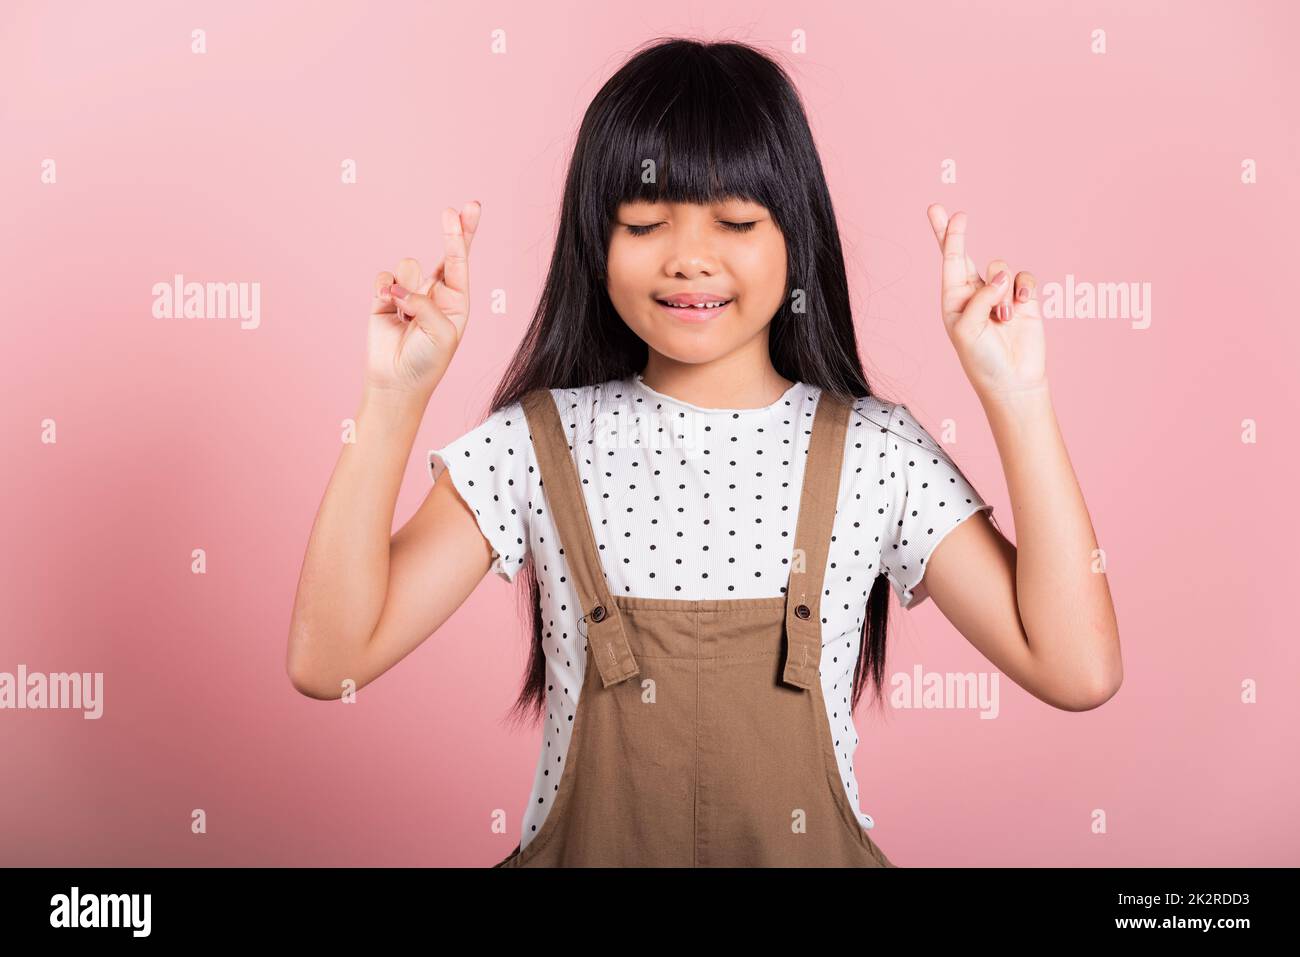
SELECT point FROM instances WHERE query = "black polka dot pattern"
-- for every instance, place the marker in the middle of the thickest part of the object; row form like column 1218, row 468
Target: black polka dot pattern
column 692, row 503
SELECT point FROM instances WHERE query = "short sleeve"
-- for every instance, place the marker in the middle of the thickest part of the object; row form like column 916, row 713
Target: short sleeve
column 929, row 497
column 491, row 468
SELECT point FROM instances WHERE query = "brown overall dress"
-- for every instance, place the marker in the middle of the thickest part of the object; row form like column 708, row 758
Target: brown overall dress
column 719, row 753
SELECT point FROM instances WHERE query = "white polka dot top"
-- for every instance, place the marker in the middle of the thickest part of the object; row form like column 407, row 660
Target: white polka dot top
column 694, row 503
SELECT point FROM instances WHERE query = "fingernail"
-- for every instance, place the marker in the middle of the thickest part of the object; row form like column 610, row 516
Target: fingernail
column 1000, row 312
column 1000, row 279
column 397, row 291
column 1023, row 294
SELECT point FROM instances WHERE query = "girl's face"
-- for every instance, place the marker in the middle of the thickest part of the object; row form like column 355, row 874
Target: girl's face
column 730, row 252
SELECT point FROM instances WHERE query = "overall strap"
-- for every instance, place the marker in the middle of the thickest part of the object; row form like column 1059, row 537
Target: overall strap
column 812, row 540
column 601, row 616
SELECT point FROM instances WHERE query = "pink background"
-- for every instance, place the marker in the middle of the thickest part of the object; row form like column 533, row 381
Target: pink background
column 183, row 434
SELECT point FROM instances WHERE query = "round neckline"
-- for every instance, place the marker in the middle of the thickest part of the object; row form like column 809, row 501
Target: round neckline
column 639, row 384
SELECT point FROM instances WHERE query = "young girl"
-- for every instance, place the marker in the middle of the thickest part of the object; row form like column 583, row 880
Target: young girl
column 708, row 503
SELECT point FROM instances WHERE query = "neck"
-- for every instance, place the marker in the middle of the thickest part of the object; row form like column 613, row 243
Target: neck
column 730, row 382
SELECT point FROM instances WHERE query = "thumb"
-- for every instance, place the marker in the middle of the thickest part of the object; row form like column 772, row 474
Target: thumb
column 421, row 310
column 981, row 304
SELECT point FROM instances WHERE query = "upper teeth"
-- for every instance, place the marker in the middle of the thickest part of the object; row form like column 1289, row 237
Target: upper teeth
column 698, row 305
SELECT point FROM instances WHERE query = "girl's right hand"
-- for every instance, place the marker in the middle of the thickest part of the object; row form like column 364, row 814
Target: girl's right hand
column 416, row 324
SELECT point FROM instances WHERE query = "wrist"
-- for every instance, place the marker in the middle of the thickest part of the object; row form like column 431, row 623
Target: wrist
column 1018, row 397
column 1015, row 414
column 394, row 402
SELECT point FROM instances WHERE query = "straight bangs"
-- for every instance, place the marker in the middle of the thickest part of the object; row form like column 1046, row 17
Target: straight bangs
column 682, row 129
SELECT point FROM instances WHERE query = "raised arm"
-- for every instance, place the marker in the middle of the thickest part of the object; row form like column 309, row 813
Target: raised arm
column 1041, row 612
column 366, row 598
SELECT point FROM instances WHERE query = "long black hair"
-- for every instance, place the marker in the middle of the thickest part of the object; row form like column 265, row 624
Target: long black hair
column 684, row 121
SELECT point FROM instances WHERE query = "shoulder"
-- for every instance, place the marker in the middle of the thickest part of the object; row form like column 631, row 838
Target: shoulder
column 511, row 422
column 591, row 398
column 872, row 420
column 499, row 444
column 586, row 410
column 892, row 422
column 887, row 445
column 872, row 410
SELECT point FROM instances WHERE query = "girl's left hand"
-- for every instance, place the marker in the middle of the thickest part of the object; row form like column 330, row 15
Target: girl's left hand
column 996, row 328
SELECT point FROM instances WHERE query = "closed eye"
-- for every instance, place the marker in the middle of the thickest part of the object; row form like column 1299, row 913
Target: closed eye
column 734, row 227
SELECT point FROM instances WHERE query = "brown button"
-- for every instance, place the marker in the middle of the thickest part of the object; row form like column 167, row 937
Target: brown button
column 598, row 613
column 802, row 611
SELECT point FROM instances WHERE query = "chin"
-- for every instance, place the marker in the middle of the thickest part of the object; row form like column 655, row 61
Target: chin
column 691, row 351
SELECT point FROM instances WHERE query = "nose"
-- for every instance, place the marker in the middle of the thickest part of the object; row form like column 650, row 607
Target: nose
column 691, row 254
column 689, row 269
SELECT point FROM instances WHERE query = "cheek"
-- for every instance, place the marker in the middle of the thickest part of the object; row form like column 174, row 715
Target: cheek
column 761, row 270
column 626, row 271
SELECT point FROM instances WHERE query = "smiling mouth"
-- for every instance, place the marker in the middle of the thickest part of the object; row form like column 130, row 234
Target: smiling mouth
column 699, row 307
